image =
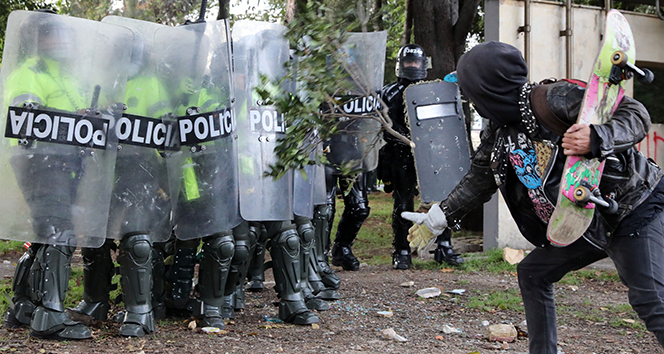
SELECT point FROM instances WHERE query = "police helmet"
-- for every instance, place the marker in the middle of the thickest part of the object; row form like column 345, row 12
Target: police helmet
column 54, row 38
column 411, row 63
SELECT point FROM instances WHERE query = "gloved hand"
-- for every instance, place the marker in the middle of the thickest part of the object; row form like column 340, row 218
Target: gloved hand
column 427, row 226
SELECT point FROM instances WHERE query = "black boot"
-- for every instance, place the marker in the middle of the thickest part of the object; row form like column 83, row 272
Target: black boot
column 98, row 273
column 285, row 253
column 445, row 253
column 342, row 256
column 21, row 312
column 401, row 259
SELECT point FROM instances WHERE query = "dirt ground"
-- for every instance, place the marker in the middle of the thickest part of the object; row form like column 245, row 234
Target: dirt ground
column 352, row 325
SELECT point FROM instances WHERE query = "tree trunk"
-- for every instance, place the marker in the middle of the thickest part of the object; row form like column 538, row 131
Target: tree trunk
column 292, row 8
column 223, row 10
column 378, row 15
column 408, row 24
column 441, row 28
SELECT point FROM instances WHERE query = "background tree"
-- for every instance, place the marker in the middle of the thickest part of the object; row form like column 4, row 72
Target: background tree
column 442, row 29
column 7, row 6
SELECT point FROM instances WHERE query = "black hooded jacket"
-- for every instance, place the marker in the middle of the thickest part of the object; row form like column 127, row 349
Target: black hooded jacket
column 628, row 176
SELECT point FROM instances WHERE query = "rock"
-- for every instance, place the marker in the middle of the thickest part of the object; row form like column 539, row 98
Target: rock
column 384, row 313
column 213, row 330
column 502, row 333
column 447, row 329
column 389, row 333
column 408, row 284
column 485, row 323
column 429, row 292
column 315, row 326
column 513, row 256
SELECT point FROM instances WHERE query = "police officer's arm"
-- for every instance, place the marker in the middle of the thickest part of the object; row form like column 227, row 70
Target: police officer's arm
column 478, row 185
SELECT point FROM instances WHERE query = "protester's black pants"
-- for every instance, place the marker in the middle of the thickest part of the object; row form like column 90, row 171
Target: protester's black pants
column 639, row 260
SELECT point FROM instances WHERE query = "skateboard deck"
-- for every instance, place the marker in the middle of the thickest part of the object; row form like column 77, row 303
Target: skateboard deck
column 570, row 219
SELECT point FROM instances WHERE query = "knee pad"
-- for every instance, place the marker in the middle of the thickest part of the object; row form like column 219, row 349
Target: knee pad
column 288, row 240
column 359, row 213
column 220, row 246
column 306, row 232
column 245, row 239
column 138, row 247
column 322, row 212
column 242, row 252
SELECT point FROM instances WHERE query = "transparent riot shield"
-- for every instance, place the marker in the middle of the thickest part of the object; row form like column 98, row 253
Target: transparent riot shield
column 304, row 182
column 303, row 191
column 320, row 192
column 442, row 151
column 62, row 81
column 260, row 49
column 358, row 138
column 140, row 200
column 195, row 69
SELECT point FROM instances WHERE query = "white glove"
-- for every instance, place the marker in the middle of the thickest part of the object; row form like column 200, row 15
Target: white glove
column 434, row 222
column 435, row 219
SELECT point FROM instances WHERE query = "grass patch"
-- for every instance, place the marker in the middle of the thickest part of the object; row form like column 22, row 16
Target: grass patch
column 373, row 243
column 5, row 294
column 509, row 299
column 7, row 246
column 579, row 276
column 491, row 261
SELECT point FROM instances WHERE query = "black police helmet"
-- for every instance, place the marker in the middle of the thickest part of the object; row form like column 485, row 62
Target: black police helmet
column 411, row 63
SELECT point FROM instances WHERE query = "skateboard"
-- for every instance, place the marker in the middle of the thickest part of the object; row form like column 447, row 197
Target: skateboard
column 579, row 188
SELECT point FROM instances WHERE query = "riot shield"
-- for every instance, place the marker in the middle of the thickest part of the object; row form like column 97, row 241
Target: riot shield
column 320, row 192
column 195, row 68
column 303, row 191
column 358, row 137
column 442, row 152
column 259, row 48
column 61, row 81
column 304, row 182
column 140, row 200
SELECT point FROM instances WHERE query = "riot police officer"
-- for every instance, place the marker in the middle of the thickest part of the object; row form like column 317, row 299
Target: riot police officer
column 64, row 183
column 397, row 168
column 140, row 209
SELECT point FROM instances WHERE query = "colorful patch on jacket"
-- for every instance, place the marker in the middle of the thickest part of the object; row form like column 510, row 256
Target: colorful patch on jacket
column 524, row 158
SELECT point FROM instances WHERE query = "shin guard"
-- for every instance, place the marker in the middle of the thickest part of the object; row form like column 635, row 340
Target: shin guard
column 135, row 260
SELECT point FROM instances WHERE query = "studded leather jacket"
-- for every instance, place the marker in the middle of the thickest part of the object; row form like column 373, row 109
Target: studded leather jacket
column 628, row 177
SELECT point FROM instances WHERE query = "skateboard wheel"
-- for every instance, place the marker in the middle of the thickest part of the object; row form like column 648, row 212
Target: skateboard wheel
column 581, row 194
column 619, row 59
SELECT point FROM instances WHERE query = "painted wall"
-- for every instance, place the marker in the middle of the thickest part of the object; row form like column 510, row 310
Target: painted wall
column 548, row 59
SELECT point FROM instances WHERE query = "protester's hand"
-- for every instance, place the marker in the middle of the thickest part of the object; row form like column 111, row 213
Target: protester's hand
column 427, row 226
column 419, row 237
column 576, row 141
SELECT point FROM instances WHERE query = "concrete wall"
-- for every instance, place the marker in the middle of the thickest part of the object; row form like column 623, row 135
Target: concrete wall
column 548, row 59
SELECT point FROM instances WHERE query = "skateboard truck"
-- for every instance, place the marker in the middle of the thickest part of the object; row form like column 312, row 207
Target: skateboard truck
column 622, row 69
column 586, row 193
